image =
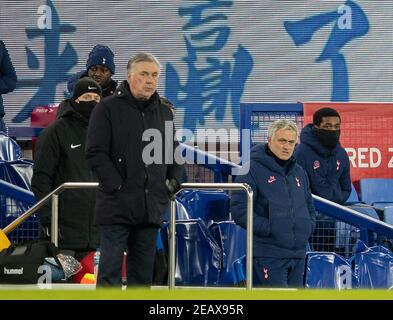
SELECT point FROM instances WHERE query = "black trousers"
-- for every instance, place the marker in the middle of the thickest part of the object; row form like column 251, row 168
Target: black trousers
column 280, row 273
column 140, row 243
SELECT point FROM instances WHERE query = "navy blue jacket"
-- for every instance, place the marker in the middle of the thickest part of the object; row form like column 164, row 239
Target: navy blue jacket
column 7, row 75
column 328, row 169
column 284, row 214
column 107, row 91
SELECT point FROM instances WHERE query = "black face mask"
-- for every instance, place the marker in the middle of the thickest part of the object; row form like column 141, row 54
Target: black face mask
column 329, row 138
column 85, row 107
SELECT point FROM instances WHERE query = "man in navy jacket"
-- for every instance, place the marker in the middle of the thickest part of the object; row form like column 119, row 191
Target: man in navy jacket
column 7, row 79
column 284, row 214
column 324, row 159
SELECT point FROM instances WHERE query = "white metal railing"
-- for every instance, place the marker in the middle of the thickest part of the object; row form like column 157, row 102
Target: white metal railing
column 55, row 207
column 210, row 186
column 172, row 233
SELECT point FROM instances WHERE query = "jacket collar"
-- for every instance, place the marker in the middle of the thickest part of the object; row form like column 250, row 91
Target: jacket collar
column 123, row 91
column 258, row 153
column 69, row 112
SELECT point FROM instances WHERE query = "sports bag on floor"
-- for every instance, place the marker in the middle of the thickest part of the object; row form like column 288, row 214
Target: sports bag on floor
column 20, row 264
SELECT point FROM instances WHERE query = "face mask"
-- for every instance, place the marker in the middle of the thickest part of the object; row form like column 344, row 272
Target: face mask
column 329, row 138
column 85, row 108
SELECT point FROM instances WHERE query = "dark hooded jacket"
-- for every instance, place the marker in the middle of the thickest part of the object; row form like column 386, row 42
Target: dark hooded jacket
column 284, row 214
column 328, row 169
column 60, row 157
column 131, row 191
column 8, row 77
column 107, row 91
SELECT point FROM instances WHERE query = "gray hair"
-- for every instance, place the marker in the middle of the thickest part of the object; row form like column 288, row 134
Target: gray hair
column 282, row 124
column 142, row 57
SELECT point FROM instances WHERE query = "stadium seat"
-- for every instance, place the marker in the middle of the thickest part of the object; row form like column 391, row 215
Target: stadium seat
column 210, row 206
column 388, row 215
column 238, row 271
column 347, row 235
column 9, row 149
column 183, row 211
column 353, row 197
column 198, row 256
column 376, row 190
column 372, row 267
column 327, row 270
column 232, row 241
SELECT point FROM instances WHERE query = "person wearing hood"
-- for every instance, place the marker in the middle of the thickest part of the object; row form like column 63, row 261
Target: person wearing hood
column 284, row 214
column 134, row 186
column 323, row 158
column 100, row 66
column 8, row 80
column 60, row 157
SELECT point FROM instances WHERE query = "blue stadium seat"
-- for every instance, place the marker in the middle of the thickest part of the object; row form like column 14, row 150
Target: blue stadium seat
column 210, row 206
column 198, row 256
column 353, row 197
column 183, row 211
column 9, row 149
column 18, row 173
column 238, row 271
column 232, row 240
column 388, row 215
column 347, row 235
column 372, row 267
column 376, row 190
column 327, row 270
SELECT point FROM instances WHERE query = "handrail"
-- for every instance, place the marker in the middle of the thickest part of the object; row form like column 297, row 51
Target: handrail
column 352, row 216
column 17, row 193
column 172, row 226
column 44, row 200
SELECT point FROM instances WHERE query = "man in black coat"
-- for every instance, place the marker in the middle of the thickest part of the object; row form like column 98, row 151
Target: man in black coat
column 131, row 148
column 60, row 157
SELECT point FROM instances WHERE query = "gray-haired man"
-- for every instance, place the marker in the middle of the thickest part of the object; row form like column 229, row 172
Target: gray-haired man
column 284, row 215
column 133, row 192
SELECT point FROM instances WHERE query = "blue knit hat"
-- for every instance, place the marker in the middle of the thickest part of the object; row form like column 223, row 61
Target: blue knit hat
column 101, row 55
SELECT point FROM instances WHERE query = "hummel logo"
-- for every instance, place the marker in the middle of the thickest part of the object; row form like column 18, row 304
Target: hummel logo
column 103, row 60
column 91, row 88
column 73, row 146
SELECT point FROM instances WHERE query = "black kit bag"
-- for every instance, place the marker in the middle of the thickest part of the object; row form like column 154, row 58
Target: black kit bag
column 19, row 264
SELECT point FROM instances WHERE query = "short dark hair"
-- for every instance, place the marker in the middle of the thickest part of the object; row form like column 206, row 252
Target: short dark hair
column 324, row 112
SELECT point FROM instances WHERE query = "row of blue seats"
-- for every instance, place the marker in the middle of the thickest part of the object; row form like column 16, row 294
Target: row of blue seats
column 376, row 193
column 368, row 268
column 204, row 255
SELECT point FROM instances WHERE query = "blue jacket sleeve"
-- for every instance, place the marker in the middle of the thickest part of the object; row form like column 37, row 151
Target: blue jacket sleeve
column 8, row 76
column 73, row 80
column 345, row 180
column 310, row 204
column 239, row 208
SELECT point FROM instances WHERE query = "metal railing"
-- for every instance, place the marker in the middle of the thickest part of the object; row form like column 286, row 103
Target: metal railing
column 55, row 207
column 211, row 186
column 348, row 215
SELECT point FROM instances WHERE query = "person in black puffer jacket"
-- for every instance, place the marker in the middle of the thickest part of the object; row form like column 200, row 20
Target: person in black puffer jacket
column 60, row 157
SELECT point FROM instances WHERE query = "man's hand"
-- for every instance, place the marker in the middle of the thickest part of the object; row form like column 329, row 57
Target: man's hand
column 173, row 187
